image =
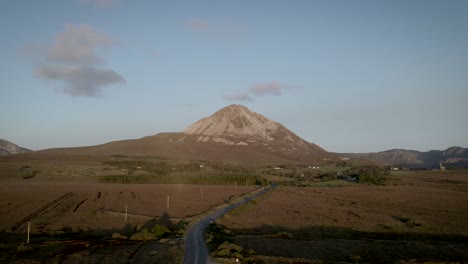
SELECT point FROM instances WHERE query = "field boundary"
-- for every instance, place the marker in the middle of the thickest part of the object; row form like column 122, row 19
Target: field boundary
column 51, row 205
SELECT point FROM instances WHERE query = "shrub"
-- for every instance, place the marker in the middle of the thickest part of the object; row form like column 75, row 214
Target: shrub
column 160, row 230
column 143, row 235
column 371, row 174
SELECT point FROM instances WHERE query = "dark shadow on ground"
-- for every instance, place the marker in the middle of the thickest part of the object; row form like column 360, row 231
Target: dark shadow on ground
column 345, row 245
column 95, row 246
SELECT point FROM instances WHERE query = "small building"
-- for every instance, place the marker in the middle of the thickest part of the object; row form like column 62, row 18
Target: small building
column 442, row 168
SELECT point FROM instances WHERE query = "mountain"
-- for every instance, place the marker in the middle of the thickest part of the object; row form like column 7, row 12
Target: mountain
column 453, row 157
column 237, row 125
column 233, row 133
column 7, row 148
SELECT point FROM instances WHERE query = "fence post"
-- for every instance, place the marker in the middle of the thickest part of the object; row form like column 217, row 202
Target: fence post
column 29, row 229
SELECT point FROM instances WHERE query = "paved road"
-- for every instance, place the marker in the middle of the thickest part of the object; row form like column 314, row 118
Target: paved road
column 195, row 248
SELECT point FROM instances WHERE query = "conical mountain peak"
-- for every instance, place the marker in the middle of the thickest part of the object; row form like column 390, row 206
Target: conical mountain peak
column 237, row 125
column 234, row 120
column 233, row 133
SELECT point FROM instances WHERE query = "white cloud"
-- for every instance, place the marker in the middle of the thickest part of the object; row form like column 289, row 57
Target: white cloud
column 72, row 58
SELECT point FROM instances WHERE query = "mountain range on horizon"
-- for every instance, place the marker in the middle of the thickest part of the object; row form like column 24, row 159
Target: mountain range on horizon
column 452, row 157
column 7, row 148
column 232, row 134
column 237, row 134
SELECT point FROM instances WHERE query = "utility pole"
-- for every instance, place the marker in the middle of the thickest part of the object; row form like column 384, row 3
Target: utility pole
column 29, row 229
column 168, row 202
column 126, row 207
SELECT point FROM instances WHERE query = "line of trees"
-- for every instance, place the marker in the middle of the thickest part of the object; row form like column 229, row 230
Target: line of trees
column 160, row 172
column 210, row 178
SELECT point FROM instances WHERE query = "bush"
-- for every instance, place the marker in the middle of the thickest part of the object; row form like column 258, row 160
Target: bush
column 160, row 230
column 371, row 174
column 143, row 235
column 216, row 236
column 227, row 250
column 28, row 172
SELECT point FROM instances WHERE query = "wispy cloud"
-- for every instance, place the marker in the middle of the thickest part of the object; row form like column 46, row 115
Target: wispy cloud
column 238, row 97
column 198, row 25
column 275, row 88
column 227, row 31
column 260, row 89
column 99, row 3
column 72, row 58
column 78, row 45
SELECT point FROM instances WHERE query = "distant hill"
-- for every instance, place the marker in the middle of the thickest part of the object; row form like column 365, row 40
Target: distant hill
column 7, row 148
column 453, row 157
column 233, row 133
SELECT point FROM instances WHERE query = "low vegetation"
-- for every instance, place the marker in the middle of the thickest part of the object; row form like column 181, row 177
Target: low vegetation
column 242, row 208
column 144, row 172
column 330, row 175
column 162, row 172
column 28, row 172
column 220, row 243
column 417, row 217
column 211, row 178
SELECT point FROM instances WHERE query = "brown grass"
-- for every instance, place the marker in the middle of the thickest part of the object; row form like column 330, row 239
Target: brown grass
column 401, row 220
column 440, row 206
column 102, row 206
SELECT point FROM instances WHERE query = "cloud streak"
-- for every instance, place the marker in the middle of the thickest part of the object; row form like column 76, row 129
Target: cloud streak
column 99, row 3
column 72, row 59
column 238, row 97
column 275, row 88
column 225, row 30
column 260, row 89
column 198, row 25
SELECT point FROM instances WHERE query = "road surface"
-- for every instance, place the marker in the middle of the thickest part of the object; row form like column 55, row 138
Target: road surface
column 195, row 248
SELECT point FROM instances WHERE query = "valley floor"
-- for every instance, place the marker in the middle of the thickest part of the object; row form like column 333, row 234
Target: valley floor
column 416, row 216
column 74, row 220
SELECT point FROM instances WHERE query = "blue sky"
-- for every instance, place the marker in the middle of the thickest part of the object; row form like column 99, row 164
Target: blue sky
column 350, row 76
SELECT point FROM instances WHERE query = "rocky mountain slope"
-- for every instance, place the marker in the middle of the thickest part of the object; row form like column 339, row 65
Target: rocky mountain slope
column 7, row 148
column 453, row 157
column 233, row 133
column 237, row 125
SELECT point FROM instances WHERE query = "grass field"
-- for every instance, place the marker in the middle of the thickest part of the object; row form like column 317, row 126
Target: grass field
column 416, row 216
column 73, row 216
